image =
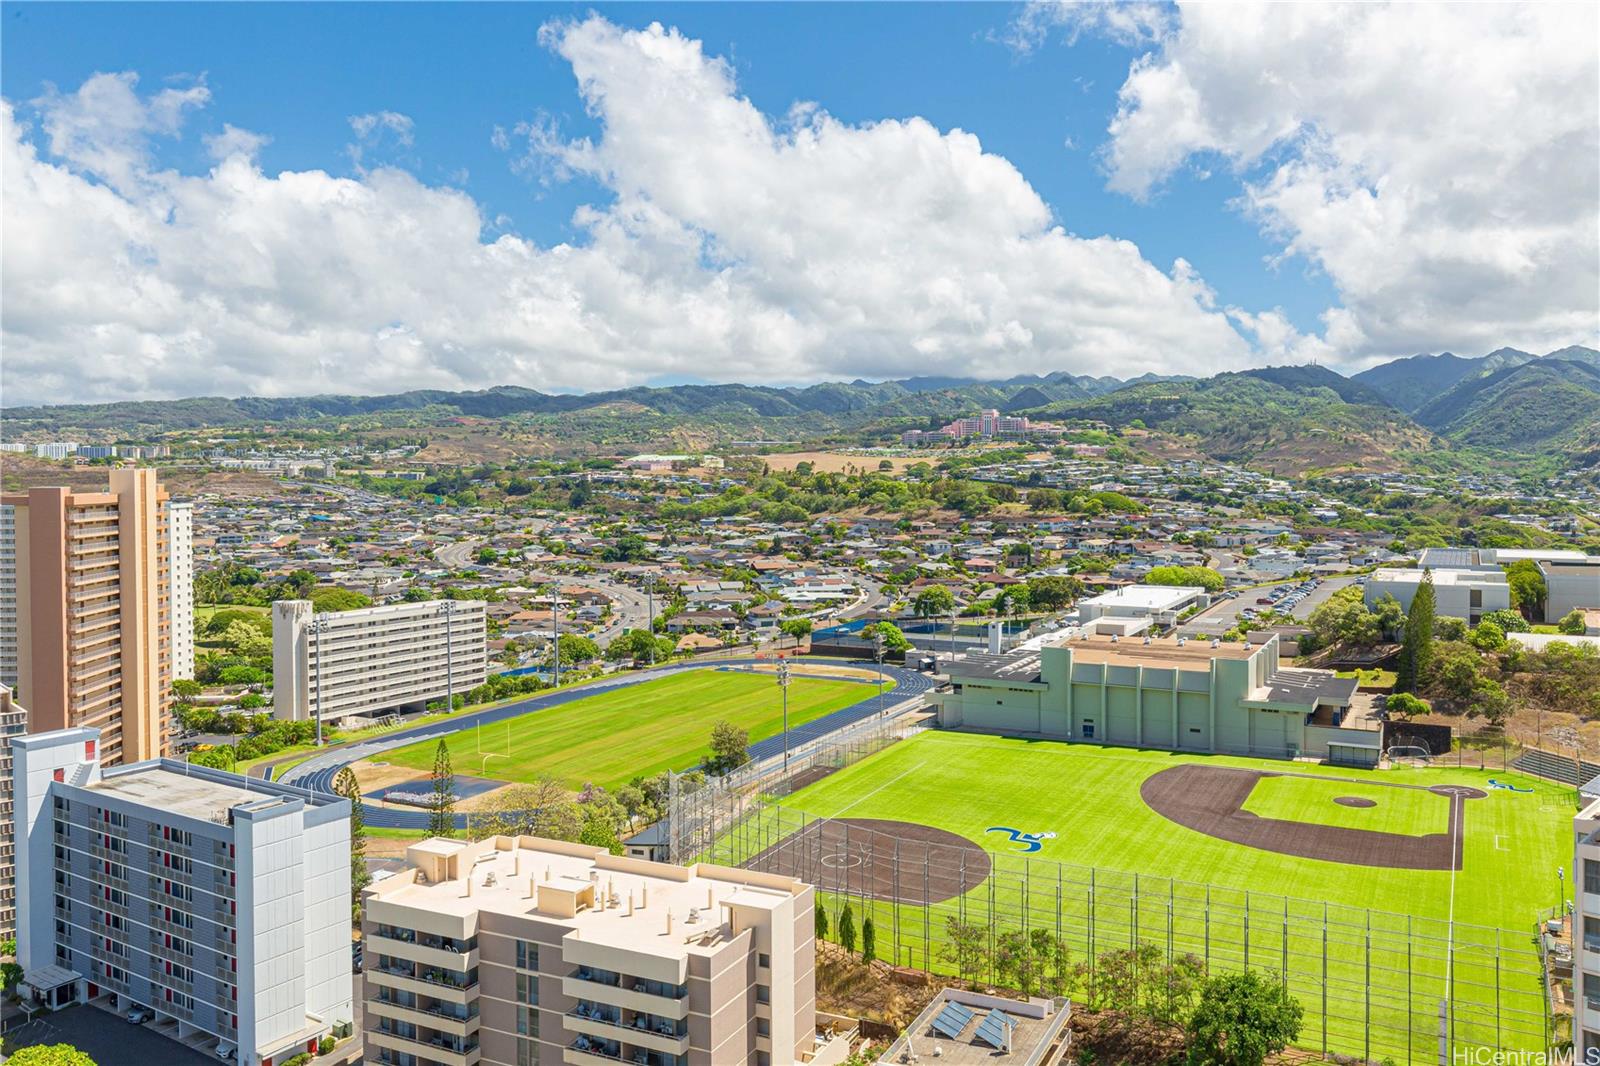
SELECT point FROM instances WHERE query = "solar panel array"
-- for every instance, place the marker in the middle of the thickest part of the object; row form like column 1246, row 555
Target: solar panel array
column 952, row 1020
column 995, row 1030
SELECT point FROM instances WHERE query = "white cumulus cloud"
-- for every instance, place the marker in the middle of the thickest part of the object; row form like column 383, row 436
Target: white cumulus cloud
column 1440, row 162
column 734, row 245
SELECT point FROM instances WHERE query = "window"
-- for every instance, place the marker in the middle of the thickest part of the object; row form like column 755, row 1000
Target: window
column 764, row 961
column 763, row 1027
column 528, row 1021
column 527, row 988
column 1088, row 731
column 527, row 1053
column 1591, row 876
column 527, row 955
column 763, row 994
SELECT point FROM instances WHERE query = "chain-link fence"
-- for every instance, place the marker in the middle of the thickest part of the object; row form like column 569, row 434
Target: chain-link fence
column 1374, row 984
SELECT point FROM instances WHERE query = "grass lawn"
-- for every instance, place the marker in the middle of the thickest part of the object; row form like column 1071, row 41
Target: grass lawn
column 1409, row 811
column 1374, row 676
column 1089, row 798
column 609, row 737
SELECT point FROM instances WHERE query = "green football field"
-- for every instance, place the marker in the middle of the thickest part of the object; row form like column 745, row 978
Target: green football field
column 611, row 736
column 1402, row 939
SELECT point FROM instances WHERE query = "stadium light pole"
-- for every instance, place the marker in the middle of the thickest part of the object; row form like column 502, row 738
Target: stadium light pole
column 650, row 614
column 877, row 653
column 783, row 683
column 555, row 618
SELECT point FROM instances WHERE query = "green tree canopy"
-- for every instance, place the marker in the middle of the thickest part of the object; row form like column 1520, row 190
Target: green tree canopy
column 49, row 1055
column 934, row 601
column 1241, row 1019
column 1196, row 576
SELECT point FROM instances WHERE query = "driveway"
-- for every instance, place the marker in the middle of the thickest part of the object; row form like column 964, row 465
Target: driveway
column 107, row 1038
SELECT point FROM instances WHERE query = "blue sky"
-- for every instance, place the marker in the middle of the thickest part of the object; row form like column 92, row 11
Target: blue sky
column 297, row 73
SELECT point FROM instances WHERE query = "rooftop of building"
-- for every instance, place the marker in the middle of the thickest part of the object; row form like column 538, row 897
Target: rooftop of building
column 1024, row 665
column 1035, row 1034
column 159, row 787
column 1147, row 597
column 1441, row 575
column 656, row 908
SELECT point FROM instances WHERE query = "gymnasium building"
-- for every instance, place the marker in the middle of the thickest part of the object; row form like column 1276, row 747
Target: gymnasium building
column 1171, row 694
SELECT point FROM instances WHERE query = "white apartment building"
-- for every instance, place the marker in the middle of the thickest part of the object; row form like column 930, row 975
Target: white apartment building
column 518, row 950
column 180, row 577
column 1586, row 930
column 1468, row 594
column 1135, row 608
column 219, row 902
column 377, row 659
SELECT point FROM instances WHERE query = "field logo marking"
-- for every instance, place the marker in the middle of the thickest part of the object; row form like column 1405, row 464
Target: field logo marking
column 1507, row 786
column 1029, row 841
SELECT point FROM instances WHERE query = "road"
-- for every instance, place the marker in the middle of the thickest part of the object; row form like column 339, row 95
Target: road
column 872, row 598
column 458, row 555
column 317, row 774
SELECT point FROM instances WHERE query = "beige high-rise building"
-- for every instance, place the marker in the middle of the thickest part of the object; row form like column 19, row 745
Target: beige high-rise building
column 93, row 607
column 517, row 951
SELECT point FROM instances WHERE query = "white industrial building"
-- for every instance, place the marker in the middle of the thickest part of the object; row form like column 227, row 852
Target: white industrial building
column 1136, row 608
column 1570, row 586
column 1468, row 594
column 374, row 660
column 220, row 903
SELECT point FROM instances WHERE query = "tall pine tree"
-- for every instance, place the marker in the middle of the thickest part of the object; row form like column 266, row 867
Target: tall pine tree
column 442, row 812
column 1416, row 649
column 346, row 785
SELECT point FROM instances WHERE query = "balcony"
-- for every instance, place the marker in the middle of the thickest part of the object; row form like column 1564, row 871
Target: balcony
column 655, row 1034
column 440, row 953
column 632, row 994
column 405, row 979
column 451, row 1051
column 460, row 1021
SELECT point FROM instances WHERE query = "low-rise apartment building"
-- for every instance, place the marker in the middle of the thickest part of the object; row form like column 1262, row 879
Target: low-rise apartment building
column 377, row 659
column 1172, row 694
column 219, row 902
column 519, row 950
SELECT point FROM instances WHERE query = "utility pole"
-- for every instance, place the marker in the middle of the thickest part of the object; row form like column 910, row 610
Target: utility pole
column 783, row 683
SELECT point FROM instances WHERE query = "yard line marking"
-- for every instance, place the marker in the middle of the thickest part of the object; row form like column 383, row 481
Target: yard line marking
column 879, row 789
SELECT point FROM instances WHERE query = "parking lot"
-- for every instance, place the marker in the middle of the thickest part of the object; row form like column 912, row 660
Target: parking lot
column 106, row 1038
column 1224, row 614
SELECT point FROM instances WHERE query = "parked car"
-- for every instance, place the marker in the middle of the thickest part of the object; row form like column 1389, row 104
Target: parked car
column 227, row 1052
column 139, row 1015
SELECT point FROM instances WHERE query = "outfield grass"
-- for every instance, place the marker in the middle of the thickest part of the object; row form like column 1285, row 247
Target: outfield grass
column 1408, row 811
column 1089, row 797
column 611, row 736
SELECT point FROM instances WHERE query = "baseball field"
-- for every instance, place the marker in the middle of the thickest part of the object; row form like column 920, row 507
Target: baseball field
column 1376, row 895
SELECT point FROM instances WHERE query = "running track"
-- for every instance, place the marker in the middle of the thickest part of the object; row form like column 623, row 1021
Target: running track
column 317, row 774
